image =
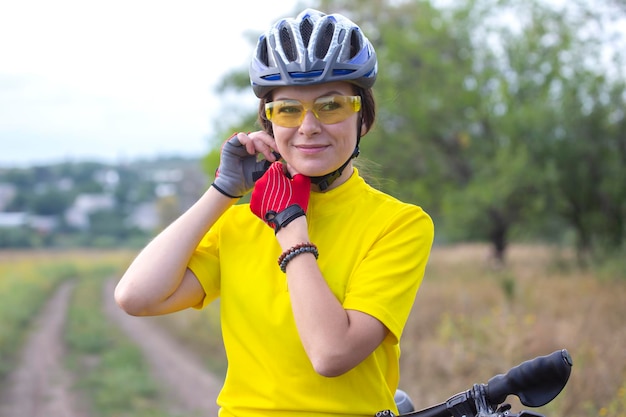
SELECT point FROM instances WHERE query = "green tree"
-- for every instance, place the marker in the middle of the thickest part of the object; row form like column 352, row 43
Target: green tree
column 51, row 202
column 566, row 104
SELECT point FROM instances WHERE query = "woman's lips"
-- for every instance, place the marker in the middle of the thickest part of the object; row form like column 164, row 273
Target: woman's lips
column 311, row 149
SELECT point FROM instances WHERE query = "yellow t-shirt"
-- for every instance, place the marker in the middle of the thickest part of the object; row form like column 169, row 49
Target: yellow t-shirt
column 372, row 252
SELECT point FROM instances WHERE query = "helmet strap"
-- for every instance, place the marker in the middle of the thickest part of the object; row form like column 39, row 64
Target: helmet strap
column 324, row 181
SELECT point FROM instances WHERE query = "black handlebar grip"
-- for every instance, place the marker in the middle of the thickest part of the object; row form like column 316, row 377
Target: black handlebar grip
column 536, row 382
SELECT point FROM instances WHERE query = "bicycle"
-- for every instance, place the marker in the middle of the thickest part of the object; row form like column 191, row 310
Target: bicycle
column 535, row 382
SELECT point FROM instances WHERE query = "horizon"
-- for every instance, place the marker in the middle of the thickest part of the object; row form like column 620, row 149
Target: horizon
column 121, row 160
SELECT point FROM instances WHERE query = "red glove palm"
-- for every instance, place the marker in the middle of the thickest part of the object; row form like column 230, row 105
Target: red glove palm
column 277, row 199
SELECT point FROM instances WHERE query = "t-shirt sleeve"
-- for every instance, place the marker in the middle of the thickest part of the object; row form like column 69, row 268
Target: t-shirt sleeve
column 385, row 283
column 205, row 265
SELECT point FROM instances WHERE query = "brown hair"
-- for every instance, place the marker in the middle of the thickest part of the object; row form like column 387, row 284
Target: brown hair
column 368, row 110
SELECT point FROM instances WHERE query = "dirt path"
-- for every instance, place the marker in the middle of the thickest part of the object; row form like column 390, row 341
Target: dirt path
column 191, row 388
column 42, row 387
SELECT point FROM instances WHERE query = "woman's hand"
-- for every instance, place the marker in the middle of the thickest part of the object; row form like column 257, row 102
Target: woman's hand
column 278, row 199
column 239, row 166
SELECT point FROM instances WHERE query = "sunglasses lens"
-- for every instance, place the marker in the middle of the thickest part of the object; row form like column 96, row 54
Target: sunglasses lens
column 286, row 113
column 328, row 110
column 331, row 110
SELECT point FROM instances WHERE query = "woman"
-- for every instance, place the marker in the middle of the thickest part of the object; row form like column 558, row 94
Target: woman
column 313, row 306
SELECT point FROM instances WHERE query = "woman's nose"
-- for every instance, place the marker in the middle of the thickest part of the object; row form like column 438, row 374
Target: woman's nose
column 310, row 124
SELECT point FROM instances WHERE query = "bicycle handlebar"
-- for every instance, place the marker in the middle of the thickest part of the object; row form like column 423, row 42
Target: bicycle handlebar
column 536, row 382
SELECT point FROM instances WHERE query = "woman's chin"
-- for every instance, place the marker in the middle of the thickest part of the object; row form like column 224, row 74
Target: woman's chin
column 314, row 173
column 312, row 170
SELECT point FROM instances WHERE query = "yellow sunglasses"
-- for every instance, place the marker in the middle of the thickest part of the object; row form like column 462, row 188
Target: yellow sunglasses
column 328, row 110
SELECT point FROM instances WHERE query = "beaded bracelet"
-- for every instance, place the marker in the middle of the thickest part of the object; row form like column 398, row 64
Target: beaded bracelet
column 294, row 251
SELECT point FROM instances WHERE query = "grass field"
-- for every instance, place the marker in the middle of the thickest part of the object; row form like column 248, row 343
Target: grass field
column 470, row 322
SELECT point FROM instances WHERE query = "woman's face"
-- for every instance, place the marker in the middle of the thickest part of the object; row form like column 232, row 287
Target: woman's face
column 314, row 148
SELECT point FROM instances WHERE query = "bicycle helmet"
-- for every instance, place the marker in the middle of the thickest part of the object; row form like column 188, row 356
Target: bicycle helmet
column 311, row 49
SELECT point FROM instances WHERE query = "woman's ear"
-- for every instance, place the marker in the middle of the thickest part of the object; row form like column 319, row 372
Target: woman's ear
column 364, row 129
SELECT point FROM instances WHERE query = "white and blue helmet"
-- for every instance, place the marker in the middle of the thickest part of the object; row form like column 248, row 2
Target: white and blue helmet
column 313, row 48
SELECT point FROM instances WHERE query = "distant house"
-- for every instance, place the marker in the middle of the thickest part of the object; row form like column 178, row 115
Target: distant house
column 7, row 194
column 15, row 220
column 85, row 204
column 43, row 224
column 144, row 217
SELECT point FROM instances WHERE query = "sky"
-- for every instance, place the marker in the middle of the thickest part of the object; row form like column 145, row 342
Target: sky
column 117, row 80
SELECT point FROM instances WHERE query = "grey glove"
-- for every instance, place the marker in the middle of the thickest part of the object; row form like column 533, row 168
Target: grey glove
column 238, row 170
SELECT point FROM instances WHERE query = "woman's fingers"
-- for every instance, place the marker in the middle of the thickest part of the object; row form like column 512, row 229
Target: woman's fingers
column 259, row 142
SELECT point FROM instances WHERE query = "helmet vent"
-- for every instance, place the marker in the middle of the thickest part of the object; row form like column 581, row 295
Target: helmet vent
column 306, row 29
column 287, row 42
column 262, row 54
column 355, row 43
column 326, row 37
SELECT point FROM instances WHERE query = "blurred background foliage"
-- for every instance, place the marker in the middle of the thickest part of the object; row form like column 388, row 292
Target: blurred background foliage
column 504, row 119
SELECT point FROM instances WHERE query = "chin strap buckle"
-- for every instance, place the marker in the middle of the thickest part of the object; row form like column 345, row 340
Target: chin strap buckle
column 324, row 181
